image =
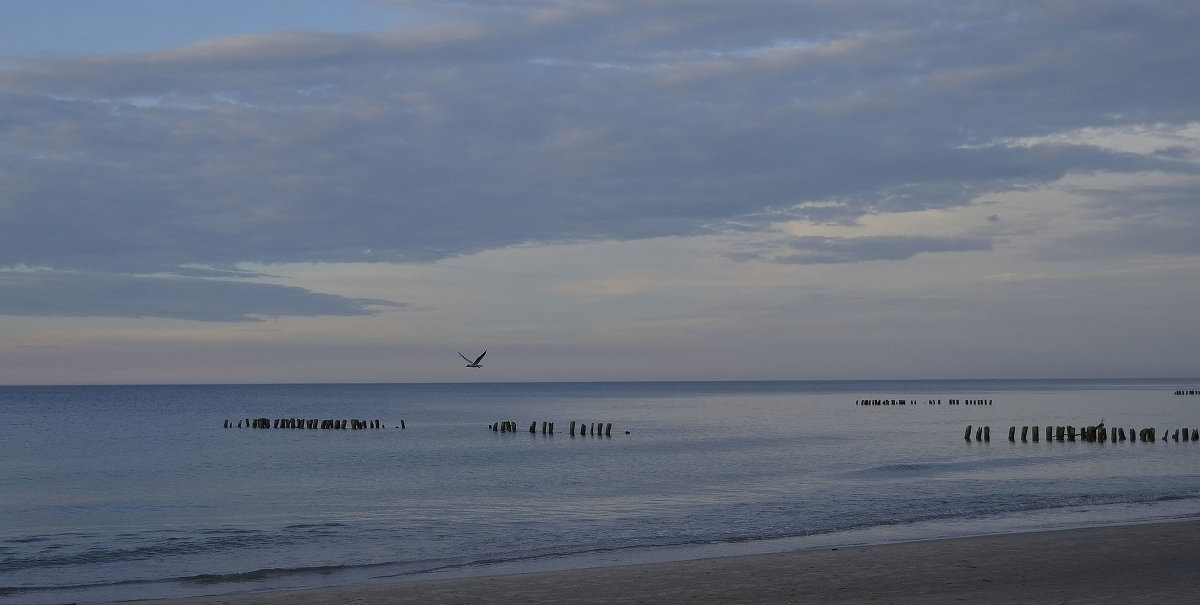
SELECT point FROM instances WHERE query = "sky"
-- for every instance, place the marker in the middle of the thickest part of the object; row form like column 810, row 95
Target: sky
column 357, row 191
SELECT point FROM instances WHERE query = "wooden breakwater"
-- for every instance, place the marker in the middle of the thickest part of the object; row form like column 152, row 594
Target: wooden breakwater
column 1188, row 392
column 308, row 423
column 893, row 401
column 596, row 429
column 1089, row 434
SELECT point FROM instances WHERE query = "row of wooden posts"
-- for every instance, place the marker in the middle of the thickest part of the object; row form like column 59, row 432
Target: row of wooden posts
column 595, row 428
column 308, row 423
column 1188, row 392
column 1090, row 434
column 915, row 402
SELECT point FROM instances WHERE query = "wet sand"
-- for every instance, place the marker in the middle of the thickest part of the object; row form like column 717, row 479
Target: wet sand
column 1122, row 564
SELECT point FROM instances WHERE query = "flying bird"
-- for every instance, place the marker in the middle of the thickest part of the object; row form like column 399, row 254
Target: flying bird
column 473, row 364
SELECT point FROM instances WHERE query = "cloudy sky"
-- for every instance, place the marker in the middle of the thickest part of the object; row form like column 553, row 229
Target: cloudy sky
column 303, row 190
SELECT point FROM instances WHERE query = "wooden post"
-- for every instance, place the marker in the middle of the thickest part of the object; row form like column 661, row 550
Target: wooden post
column 967, row 435
column 1012, row 433
column 987, row 433
column 1024, row 434
column 1035, row 433
column 551, row 428
column 608, row 430
column 572, row 428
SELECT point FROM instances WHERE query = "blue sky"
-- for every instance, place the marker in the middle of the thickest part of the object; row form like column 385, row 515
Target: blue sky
column 299, row 190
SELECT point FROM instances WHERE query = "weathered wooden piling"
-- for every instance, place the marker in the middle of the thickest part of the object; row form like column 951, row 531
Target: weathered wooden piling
column 1035, row 433
column 1012, row 433
column 1024, row 434
column 967, row 436
column 572, row 429
column 608, row 429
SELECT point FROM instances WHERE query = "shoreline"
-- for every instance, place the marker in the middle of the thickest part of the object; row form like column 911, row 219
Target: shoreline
column 1132, row 563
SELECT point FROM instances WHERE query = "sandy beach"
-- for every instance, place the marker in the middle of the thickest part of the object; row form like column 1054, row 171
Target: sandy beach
column 1123, row 564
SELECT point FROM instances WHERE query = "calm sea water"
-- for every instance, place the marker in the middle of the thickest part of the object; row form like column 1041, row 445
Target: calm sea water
column 132, row 492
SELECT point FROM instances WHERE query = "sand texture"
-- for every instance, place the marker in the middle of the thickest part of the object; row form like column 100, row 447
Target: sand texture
column 1125, row 564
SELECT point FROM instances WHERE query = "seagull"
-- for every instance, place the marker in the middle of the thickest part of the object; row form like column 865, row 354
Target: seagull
column 473, row 364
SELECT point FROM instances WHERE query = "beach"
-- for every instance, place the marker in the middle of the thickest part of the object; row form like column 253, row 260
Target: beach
column 1137, row 563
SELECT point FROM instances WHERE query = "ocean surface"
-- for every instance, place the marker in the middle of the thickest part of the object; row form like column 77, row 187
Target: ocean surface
column 135, row 492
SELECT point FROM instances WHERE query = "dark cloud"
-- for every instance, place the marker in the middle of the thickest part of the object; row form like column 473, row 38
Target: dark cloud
column 830, row 250
column 539, row 122
column 73, row 294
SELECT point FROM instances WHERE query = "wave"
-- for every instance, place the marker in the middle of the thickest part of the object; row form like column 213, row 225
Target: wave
column 145, row 546
column 260, row 575
column 899, row 469
column 1016, row 502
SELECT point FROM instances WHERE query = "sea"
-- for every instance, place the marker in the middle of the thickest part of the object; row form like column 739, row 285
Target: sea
column 115, row 493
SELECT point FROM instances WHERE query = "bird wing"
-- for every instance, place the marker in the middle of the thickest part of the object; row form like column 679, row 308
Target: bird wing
column 477, row 359
column 465, row 357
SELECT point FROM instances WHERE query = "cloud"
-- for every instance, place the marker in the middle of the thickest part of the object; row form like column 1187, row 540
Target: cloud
column 535, row 122
column 72, row 294
column 831, row 250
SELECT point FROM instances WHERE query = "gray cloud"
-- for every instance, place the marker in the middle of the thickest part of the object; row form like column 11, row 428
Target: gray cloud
column 550, row 122
column 73, row 294
column 831, row 250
